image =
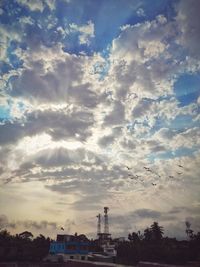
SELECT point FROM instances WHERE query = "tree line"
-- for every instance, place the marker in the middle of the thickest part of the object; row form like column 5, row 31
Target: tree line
column 151, row 245
column 23, row 247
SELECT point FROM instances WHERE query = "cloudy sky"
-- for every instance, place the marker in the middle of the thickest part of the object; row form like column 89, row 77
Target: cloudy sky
column 99, row 106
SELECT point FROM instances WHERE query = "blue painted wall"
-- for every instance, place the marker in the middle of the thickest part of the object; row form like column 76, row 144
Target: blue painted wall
column 71, row 247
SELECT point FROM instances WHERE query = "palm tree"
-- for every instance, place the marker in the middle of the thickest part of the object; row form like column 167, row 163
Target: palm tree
column 157, row 231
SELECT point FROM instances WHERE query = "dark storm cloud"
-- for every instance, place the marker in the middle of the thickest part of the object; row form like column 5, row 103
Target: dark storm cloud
column 57, row 124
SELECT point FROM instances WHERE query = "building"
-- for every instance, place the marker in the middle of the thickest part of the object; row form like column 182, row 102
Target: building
column 72, row 246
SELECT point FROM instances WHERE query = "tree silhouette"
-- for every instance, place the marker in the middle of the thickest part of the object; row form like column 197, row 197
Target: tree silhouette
column 188, row 230
column 26, row 235
column 156, row 231
column 134, row 237
column 147, row 234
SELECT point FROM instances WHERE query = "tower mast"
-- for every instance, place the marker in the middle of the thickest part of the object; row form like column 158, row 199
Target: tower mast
column 106, row 227
column 98, row 224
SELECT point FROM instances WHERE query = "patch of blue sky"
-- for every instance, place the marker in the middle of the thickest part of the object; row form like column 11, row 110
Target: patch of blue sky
column 165, row 97
column 14, row 60
column 101, row 68
column 183, row 122
column 185, row 151
column 5, row 110
column 161, row 155
column 4, row 113
column 187, row 89
column 179, row 124
column 71, row 44
column 4, row 67
column 80, row 13
column 132, row 127
column 159, row 123
column 12, row 12
column 171, row 154
column 150, row 11
column 12, row 46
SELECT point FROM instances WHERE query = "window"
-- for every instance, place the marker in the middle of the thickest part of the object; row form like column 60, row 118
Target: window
column 82, row 258
column 84, row 248
column 71, row 247
column 71, row 257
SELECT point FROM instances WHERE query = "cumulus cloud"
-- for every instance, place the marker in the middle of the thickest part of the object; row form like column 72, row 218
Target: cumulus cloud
column 188, row 21
column 53, row 80
column 140, row 12
column 86, row 32
column 58, row 125
column 32, row 4
column 37, row 227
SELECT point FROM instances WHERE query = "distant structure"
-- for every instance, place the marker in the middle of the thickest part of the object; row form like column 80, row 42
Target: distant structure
column 104, row 240
column 99, row 224
column 106, row 226
column 72, row 246
column 104, row 237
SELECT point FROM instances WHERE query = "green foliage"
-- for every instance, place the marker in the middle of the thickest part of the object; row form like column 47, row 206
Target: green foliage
column 156, row 231
column 152, row 246
column 22, row 247
column 134, row 237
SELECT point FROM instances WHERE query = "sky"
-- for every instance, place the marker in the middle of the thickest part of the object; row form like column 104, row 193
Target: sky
column 99, row 106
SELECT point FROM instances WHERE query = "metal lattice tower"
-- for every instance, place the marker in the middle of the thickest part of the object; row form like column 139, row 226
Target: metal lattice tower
column 99, row 224
column 106, row 227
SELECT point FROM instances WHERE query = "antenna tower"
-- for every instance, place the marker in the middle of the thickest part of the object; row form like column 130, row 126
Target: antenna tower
column 98, row 224
column 106, row 227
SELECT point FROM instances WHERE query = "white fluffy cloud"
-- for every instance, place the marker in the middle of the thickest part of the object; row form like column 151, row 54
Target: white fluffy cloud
column 33, row 5
column 86, row 32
